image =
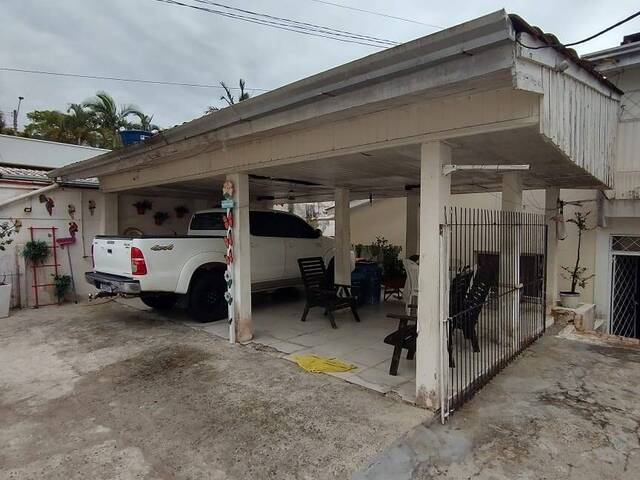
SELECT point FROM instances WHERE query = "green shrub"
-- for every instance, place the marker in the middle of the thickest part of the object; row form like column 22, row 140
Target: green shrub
column 61, row 285
column 35, row 251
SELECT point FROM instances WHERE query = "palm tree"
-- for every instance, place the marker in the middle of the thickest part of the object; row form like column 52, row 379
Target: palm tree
column 109, row 118
column 228, row 96
column 146, row 122
column 81, row 123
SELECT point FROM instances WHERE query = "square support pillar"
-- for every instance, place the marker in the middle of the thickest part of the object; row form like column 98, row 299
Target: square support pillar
column 412, row 230
column 109, row 222
column 551, row 198
column 435, row 190
column 510, row 252
column 342, row 257
column 242, row 324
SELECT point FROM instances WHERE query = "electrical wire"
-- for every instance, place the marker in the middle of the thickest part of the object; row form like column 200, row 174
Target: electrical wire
column 121, row 79
column 312, row 26
column 573, row 44
column 380, row 14
column 288, row 25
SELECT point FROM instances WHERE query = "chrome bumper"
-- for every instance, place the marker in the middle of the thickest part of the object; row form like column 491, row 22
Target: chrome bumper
column 114, row 284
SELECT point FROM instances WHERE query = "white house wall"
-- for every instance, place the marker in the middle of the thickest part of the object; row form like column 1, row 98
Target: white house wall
column 12, row 263
column 580, row 121
column 128, row 216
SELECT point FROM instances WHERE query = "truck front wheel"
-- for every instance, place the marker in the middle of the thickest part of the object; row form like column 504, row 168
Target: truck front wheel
column 206, row 299
column 159, row 301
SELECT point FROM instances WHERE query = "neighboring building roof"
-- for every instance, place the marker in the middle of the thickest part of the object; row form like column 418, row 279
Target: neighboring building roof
column 32, row 175
column 30, row 152
column 617, row 58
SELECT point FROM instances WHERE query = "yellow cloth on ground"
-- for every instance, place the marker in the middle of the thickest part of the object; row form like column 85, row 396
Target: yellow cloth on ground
column 318, row 364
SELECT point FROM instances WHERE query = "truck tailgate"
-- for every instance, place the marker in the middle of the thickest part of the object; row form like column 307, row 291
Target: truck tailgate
column 112, row 255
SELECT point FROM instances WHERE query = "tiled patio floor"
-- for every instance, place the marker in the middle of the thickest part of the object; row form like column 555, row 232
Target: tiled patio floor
column 277, row 325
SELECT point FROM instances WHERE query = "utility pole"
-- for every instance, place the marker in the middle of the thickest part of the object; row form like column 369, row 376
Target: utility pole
column 15, row 115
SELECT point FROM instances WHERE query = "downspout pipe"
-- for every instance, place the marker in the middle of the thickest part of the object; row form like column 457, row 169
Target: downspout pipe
column 30, row 194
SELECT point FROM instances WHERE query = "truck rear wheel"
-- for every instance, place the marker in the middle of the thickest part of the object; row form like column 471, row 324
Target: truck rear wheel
column 206, row 299
column 159, row 301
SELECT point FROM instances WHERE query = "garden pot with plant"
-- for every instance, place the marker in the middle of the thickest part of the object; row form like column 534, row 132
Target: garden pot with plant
column 61, row 284
column 35, row 251
column 181, row 211
column 160, row 217
column 7, row 229
column 577, row 273
column 142, row 206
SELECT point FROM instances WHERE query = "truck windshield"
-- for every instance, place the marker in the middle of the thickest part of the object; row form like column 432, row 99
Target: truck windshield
column 208, row 221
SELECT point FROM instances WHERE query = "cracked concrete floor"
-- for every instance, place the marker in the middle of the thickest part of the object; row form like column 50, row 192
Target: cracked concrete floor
column 108, row 391
column 564, row 409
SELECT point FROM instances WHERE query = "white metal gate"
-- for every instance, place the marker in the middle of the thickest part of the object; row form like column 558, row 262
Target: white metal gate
column 625, row 268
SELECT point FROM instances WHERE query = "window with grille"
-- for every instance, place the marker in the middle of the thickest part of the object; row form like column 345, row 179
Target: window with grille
column 625, row 243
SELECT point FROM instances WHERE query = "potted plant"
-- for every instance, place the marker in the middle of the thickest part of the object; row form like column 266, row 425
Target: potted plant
column 7, row 229
column 160, row 217
column 61, row 285
column 35, row 251
column 181, row 211
column 577, row 273
column 142, row 206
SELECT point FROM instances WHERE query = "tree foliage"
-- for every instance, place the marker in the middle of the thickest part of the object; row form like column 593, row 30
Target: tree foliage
column 228, row 97
column 94, row 122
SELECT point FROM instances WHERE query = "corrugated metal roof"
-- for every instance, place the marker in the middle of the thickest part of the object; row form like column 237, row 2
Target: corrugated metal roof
column 8, row 172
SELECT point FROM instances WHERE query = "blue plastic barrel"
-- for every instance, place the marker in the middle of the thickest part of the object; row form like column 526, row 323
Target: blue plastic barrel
column 367, row 276
column 133, row 136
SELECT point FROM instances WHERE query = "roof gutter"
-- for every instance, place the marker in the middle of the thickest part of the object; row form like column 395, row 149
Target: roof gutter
column 30, row 194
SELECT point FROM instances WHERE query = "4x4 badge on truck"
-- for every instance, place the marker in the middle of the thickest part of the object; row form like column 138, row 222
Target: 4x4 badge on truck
column 157, row 248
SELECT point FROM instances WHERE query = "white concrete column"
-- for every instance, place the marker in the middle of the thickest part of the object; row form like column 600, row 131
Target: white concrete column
column 551, row 198
column 342, row 257
column 411, row 230
column 510, row 252
column 241, row 258
column 434, row 195
column 109, row 216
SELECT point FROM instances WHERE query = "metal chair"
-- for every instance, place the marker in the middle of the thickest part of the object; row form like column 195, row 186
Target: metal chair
column 320, row 292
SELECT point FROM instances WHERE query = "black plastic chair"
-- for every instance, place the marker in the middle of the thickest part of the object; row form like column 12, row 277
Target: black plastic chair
column 321, row 292
column 465, row 306
column 462, row 298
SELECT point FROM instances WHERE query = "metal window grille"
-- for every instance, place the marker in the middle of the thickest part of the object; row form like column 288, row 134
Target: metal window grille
column 493, row 288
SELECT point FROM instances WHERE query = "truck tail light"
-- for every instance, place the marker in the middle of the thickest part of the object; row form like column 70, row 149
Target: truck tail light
column 138, row 265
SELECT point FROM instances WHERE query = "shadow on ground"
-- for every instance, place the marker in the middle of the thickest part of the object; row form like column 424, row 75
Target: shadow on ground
column 563, row 410
column 108, row 391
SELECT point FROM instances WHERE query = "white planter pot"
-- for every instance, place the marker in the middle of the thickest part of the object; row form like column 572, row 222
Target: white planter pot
column 569, row 299
column 5, row 300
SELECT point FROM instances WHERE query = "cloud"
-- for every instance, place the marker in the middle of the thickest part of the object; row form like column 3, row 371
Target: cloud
column 151, row 40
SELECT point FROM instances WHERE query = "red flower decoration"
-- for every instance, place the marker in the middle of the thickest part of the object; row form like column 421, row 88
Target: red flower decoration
column 228, row 220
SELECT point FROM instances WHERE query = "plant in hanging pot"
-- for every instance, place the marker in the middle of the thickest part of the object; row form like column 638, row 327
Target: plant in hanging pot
column 577, row 273
column 181, row 211
column 160, row 217
column 142, row 206
column 7, row 229
column 35, row 251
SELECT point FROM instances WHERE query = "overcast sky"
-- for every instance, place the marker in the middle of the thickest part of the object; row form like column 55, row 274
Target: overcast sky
column 152, row 40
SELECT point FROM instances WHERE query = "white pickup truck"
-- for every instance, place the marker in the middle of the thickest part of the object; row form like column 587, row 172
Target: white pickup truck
column 163, row 269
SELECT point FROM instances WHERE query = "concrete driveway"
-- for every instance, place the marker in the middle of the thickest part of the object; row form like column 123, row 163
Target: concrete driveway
column 565, row 409
column 107, row 391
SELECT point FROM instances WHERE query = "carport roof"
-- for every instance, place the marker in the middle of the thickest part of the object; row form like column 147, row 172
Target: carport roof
column 279, row 108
